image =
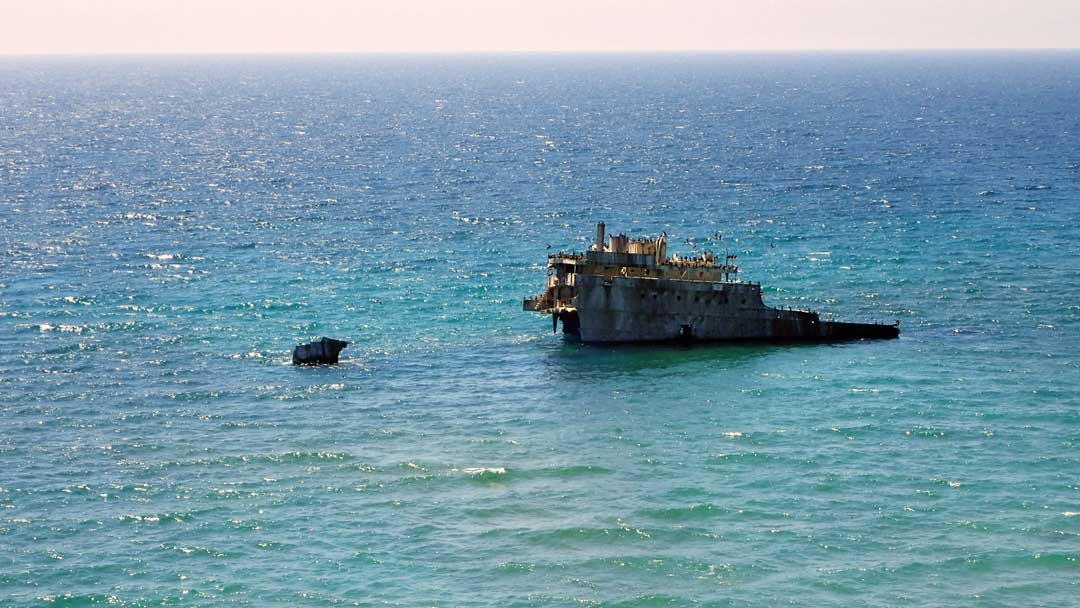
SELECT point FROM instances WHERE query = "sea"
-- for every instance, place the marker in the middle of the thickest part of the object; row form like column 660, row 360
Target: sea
column 170, row 227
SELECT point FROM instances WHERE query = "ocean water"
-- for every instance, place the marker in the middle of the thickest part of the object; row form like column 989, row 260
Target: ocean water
column 170, row 228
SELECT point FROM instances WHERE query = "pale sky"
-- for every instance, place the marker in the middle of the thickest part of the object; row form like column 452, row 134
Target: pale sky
column 320, row 26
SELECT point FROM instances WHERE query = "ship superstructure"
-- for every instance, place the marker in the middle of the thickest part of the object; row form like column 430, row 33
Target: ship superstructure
column 630, row 290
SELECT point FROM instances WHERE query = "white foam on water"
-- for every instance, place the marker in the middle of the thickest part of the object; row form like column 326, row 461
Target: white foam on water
column 482, row 470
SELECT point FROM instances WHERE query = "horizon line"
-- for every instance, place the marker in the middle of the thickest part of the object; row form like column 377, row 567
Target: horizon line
column 494, row 52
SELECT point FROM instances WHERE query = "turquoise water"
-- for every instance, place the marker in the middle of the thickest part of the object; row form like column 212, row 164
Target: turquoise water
column 170, row 228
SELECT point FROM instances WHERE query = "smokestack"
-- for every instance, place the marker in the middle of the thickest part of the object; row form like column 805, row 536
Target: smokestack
column 600, row 236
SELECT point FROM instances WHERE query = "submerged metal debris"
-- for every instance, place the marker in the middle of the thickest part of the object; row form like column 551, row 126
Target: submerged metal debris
column 321, row 352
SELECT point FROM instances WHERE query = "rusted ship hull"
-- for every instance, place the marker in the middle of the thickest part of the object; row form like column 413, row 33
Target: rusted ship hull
column 620, row 328
column 626, row 290
column 626, row 310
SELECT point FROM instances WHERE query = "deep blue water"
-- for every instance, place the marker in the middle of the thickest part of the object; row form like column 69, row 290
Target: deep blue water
column 170, row 228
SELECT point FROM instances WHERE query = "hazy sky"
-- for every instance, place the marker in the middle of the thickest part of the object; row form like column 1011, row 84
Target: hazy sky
column 201, row 26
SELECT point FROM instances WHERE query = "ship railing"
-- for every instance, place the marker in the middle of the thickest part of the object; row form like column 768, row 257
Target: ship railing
column 566, row 255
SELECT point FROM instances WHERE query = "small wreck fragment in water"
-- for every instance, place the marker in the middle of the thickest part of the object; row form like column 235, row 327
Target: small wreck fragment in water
column 320, row 352
column 629, row 290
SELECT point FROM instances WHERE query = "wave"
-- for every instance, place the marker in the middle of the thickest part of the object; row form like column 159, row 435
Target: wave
column 294, row 457
column 694, row 512
column 104, row 327
column 158, row 518
column 562, row 537
column 567, row 472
